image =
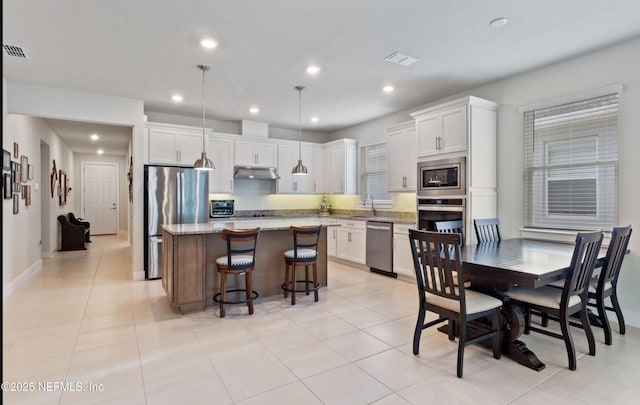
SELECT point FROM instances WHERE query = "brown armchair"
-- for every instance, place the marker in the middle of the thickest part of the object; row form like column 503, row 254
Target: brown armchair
column 71, row 237
column 79, row 221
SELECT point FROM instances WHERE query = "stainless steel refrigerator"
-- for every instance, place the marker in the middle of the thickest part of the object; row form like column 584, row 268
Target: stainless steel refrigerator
column 174, row 195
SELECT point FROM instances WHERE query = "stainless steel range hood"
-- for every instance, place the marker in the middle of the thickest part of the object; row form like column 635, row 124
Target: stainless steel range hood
column 256, row 173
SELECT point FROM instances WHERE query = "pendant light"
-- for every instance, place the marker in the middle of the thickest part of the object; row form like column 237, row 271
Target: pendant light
column 204, row 163
column 299, row 169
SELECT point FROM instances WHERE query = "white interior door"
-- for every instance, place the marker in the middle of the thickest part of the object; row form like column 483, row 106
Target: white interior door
column 100, row 197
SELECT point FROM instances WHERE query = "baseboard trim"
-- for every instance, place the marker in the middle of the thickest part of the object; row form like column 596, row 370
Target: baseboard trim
column 9, row 289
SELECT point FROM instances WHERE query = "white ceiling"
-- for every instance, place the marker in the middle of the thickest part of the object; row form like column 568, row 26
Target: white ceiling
column 149, row 49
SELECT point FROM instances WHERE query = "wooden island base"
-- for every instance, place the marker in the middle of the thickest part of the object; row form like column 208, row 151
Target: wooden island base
column 190, row 277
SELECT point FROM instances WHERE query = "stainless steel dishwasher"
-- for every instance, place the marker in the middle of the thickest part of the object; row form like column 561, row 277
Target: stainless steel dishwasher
column 380, row 247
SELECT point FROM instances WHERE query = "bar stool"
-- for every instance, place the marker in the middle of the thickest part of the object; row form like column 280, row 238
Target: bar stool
column 304, row 253
column 240, row 259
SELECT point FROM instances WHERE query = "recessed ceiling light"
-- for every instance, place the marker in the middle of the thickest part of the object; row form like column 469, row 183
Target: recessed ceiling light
column 94, row 137
column 313, row 69
column 177, row 98
column 387, row 89
column 314, row 119
column 208, row 43
column 254, row 110
column 498, row 22
column 100, row 151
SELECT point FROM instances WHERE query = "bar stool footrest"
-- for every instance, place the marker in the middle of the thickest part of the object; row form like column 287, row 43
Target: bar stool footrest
column 217, row 299
column 305, row 282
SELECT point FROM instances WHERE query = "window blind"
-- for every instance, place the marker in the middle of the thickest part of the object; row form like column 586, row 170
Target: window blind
column 571, row 165
column 374, row 172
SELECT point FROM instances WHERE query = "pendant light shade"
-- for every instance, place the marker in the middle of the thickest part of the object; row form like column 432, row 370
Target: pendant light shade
column 204, row 163
column 299, row 169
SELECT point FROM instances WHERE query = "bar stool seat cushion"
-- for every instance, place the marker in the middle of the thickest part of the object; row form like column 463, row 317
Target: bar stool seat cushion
column 302, row 254
column 237, row 260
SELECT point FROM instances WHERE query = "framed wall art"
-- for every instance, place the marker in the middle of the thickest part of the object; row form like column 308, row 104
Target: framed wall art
column 62, row 188
column 6, row 161
column 15, row 176
column 16, row 203
column 26, row 194
column 30, row 172
column 15, row 150
column 24, row 167
column 7, row 187
column 54, row 177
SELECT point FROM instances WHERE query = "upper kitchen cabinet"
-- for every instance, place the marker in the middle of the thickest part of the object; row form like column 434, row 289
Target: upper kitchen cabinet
column 173, row 146
column 255, row 152
column 448, row 128
column 340, row 166
column 312, row 156
column 401, row 144
column 221, row 150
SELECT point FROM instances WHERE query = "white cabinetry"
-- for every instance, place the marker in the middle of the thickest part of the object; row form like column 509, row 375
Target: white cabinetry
column 464, row 127
column 220, row 151
column 173, row 146
column 316, row 177
column 287, row 159
column 332, row 236
column 401, row 143
column 449, row 127
column 340, row 169
column 402, row 258
column 256, row 153
column 351, row 241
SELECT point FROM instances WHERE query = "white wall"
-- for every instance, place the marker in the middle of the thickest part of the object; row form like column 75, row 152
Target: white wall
column 611, row 65
column 22, row 232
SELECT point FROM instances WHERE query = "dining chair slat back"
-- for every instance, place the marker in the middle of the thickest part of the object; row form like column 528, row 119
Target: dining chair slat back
column 487, row 229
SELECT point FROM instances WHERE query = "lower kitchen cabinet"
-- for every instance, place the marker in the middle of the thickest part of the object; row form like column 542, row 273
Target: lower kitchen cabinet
column 332, row 236
column 402, row 259
column 183, row 271
column 351, row 241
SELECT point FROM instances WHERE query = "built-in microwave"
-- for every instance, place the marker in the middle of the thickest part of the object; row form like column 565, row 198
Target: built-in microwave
column 221, row 208
column 442, row 177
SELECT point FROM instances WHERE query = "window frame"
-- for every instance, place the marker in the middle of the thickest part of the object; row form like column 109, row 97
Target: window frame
column 382, row 171
column 604, row 163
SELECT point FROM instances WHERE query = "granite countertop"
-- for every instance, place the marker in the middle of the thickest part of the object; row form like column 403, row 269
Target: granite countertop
column 265, row 224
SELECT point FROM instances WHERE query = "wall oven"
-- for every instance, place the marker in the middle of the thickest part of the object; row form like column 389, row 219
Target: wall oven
column 443, row 177
column 430, row 211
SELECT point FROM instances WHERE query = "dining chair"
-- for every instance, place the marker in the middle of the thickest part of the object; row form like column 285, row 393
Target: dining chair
column 487, row 230
column 240, row 259
column 437, row 292
column 451, row 227
column 571, row 299
column 304, row 253
column 605, row 284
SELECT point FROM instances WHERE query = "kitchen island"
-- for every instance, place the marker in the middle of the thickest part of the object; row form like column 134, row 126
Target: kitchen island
column 189, row 274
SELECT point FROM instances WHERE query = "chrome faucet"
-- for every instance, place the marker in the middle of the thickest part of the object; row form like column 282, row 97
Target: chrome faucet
column 373, row 208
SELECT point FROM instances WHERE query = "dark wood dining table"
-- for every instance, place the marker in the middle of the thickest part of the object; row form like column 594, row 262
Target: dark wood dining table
column 493, row 267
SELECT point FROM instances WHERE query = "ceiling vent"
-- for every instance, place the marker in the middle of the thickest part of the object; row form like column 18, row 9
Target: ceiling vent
column 13, row 50
column 401, row 59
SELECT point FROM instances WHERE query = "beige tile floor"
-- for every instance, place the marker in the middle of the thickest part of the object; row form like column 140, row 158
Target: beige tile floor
column 81, row 322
